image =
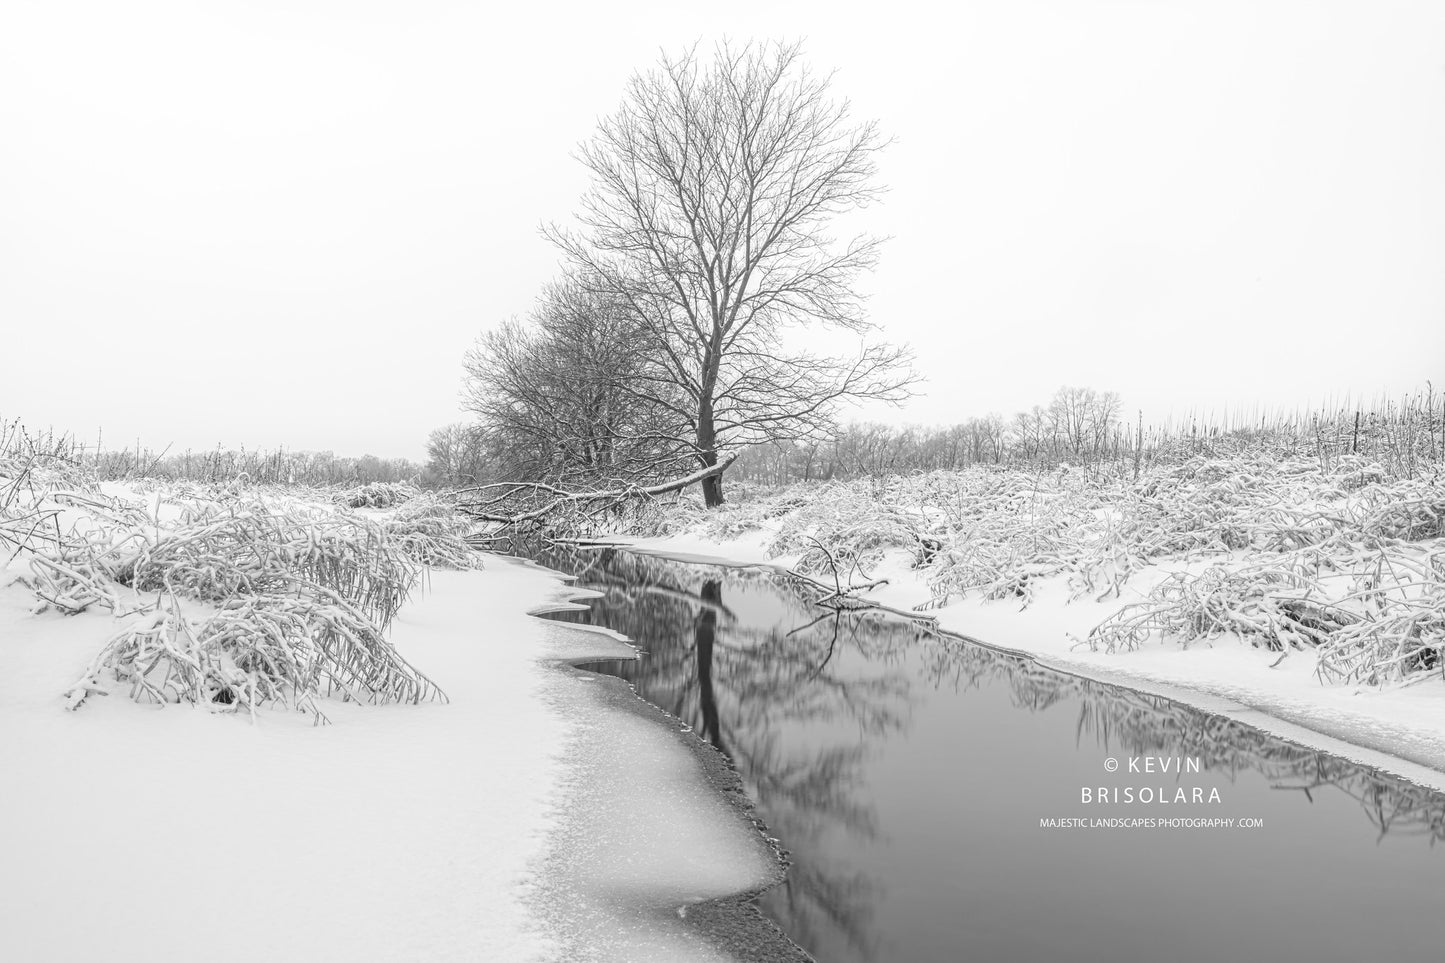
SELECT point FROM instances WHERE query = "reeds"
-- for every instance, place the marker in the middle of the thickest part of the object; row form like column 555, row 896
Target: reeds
column 843, row 525
column 1358, row 576
column 300, row 600
column 30, row 467
column 376, row 495
column 238, row 600
column 431, row 532
column 256, row 651
column 252, row 548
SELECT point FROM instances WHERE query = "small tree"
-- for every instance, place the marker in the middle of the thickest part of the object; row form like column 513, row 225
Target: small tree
column 712, row 189
column 572, row 394
column 456, row 456
column 1080, row 420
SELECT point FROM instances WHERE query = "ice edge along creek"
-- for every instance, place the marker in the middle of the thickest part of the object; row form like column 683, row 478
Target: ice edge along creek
column 730, row 922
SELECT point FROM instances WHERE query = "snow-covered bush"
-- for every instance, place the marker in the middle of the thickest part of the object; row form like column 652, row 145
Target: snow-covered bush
column 1373, row 608
column 731, row 520
column 256, row 651
column 648, row 517
column 245, row 599
column 851, row 522
column 256, row 549
column 376, row 495
column 31, row 468
column 431, row 532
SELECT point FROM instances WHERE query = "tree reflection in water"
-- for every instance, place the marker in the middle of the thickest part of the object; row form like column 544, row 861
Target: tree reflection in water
column 744, row 657
column 745, row 679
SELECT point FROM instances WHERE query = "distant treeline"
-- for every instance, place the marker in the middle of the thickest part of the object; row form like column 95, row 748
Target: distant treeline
column 1085, row 428
column 218, row 465
column 1079, row 426
column 280, row 467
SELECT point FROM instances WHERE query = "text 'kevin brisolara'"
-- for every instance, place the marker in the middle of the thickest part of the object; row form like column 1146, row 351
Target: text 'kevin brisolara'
column 1128, row 795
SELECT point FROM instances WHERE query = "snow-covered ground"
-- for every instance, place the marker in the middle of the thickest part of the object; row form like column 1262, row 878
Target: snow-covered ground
column 1397, row 729
column 540, row 814
column 528, row 818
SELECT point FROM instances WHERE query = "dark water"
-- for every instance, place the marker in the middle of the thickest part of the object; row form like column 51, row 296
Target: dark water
column 908, row 775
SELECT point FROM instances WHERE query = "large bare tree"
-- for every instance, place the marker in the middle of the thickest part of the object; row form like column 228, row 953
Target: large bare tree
column 713, row 187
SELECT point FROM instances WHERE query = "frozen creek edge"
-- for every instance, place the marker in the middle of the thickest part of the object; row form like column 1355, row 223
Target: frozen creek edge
column 732, row 924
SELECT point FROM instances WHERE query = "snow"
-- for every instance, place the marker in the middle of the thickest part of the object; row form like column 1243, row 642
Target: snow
column 1399, row 730
column 533, row 817
column 642, row 834
column 398, row 832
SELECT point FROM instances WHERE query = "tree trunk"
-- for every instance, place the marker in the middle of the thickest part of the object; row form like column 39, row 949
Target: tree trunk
column 712, row 490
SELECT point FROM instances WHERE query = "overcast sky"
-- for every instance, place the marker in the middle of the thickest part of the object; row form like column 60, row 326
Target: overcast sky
column 282, row 223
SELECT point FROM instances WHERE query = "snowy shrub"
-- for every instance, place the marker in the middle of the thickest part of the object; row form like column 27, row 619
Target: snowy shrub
column 851, row 522
column 1252, row 603
column 729, row 521
column 1374, row 615
column 376, row 495
column 648, row 517
column 1410, row 511
column 255, row 549
column 430, row 532
column 31, row 470
column 998, row 534
column 253, row 652
column 1352, row 472
column 289, row 601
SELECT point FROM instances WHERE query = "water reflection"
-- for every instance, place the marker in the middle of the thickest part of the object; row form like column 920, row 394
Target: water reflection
column 1138, row 724
column 830, row 715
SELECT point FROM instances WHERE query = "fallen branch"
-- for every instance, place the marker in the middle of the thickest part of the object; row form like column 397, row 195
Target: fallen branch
column 578, row 499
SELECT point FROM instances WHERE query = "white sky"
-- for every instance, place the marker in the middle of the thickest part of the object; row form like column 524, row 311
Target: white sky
column 282, row 223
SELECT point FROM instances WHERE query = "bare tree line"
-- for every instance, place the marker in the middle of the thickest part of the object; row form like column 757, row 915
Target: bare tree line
column 274, row 467
column 1085, row 428
column 1078, row 424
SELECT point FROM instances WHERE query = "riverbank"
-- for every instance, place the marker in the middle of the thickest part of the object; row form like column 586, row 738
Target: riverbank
column 1396, row 729
column 395, row 832
column 893, row 761
column 524, row 815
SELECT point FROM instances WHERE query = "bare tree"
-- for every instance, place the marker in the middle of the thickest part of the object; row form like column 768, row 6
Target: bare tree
column 712, row 188
column 456, row 455
column 1031, row 432
column 558, row 395
column 1080, row 419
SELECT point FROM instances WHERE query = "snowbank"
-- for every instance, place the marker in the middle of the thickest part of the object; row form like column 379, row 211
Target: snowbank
column 396, row 833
